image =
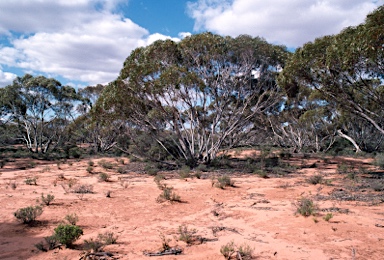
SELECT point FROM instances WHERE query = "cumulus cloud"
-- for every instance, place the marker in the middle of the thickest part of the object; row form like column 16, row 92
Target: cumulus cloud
column 80, row 40
column 279, row 21
column 6, row 78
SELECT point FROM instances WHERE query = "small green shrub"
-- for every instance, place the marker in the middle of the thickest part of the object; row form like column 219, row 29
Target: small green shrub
column 305, row 207
column 168, row 194
column 83, row 188
column 72, row 218
column 377, row 186
column 89, row 169
column 31, row 181
column 328, row 216
column 224, row 181
column 106, row 165
column 315, row 179
column 46, row 200
column 104, row 176
column 67, row 234
column 343, row 168
column 186, row 235
column 93, row 245
column 108, row 238
column 231, row 250
column 91, row 163
column 245, row 252
column 228, row 250
column 379, row 160
column 29, row 214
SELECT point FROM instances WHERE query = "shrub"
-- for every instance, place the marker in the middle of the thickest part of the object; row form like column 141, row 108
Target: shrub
column 47, row 200
column 72, row 218
column 29, row 214
column 224, row 181
column 91, row 163
column 31, row 181
column 315, row 179
column 108, row 238
column 106, row 165
column 328, row 216
column 67, row 234
column 305, row 207
column 377, row 186
column 93, row 245
column 228, row 250
column 83, row 188
column 379, row 160
column 343, row 168
column 89, row 169
column 245, row 251
column 188, row 236
column 169, row 195
column 104, row 176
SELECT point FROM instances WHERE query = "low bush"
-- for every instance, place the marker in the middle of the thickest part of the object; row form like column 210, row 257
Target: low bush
column 186, row 235
column 315, row 179
column 31, row 181
column 233, row 251
column 46, row 200
column 67, row 234
column 83, row 188
column 104, row 176
column 29, row 214
column 379, row 160
column 168, row 194
column 328, row 216
column 224, row 181
column 305, row 207
column 72, row 218
column 228, row 250
column 106, row 165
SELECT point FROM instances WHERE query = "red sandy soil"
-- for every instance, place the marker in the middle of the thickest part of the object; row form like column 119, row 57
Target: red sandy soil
column 259, row 212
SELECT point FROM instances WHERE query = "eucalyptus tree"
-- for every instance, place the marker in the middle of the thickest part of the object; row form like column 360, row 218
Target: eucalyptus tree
column 193, row 96
column 41, row 108
column 343, row 73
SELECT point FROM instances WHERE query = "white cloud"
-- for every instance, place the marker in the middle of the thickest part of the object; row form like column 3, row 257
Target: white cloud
column 78, row 40
column 6, row 78
column 279, row 21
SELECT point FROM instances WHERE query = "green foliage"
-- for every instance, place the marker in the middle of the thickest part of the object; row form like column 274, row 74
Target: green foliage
column 228, row 250
column 93, row 245
column 316, row 179
column 305, row 207
column 29, row 214
column 379, row 160
column 83, row 189
column 224, row 181
column 168, row 194
column 108, row 238
column 104, row 176
column 71, row 218
column 186, row 235
column 67, row 234
column 185, row 75
column 106, row 165
column 31, row 181
column 328, row 216
column 46, row 200
column 89, row 169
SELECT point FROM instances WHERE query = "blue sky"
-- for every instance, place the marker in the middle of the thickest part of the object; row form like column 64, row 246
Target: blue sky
column 85, row 42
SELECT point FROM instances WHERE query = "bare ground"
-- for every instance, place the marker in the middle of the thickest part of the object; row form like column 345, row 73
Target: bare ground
column 258, row 212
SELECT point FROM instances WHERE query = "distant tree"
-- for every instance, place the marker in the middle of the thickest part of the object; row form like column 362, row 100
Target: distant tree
column 193, row 96
column 41, row 108
column 344, row 73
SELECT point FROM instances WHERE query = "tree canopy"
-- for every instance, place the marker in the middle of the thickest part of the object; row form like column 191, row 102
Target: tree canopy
column 196, row 96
